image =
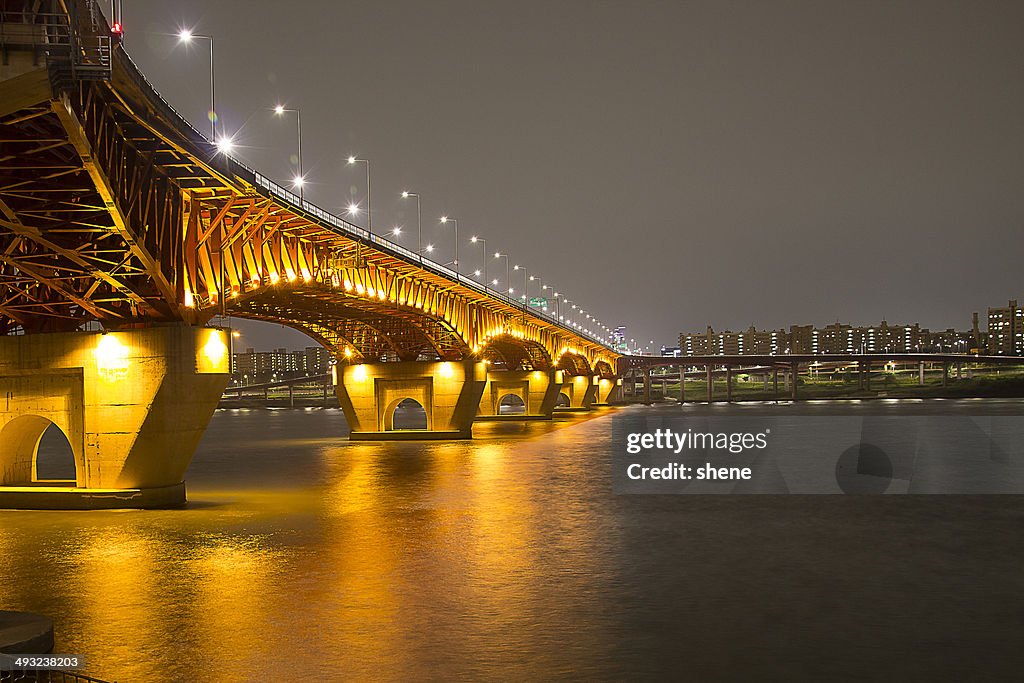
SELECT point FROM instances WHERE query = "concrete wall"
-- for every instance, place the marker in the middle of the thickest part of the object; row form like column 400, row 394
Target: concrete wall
column 538, row 390
column 133, row 404
column 449, row 392
column 581, row 390
column 608, row 391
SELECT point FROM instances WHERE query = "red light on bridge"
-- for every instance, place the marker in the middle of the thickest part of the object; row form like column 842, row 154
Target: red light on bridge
column 117, row 29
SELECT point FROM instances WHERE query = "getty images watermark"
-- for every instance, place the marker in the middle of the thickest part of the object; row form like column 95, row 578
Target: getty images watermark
column 794, row 454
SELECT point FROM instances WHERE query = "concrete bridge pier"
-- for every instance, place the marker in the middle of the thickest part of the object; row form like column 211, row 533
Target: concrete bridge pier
column 580, row 391
column 728, row 384
column 132, row 404
column 920, row 373
column 711, row 383
column 647, row 386
column 609, row 390
column 448, row 391
column 537, row 389
column 682, row 384
column 795, row 383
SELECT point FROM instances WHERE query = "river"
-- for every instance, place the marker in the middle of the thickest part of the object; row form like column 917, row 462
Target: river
column 302, row 556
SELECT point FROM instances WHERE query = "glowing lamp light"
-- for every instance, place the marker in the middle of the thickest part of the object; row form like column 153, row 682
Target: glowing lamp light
column 111, row 358
column 298, row 181
column 215, row 351
column 184, row 35
column 279, row 109
column 446, row 370
column 353, row 209
column 225, row 145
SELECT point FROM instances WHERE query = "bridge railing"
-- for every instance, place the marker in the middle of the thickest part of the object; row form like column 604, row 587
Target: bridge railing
column 234, row 166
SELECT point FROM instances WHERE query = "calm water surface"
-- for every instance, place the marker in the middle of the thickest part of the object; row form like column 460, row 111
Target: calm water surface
column 305, row 557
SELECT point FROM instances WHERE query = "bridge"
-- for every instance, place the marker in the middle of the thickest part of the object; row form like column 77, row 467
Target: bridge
column 127, row 239
column 632, row 368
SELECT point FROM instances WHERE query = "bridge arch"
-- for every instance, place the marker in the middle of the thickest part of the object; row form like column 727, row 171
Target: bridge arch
column 574, row 363
column 563, row 400
column 604, row 369
column 20, row 440
column 511, row 403
column 352, row 329
column 406, row 414
column 507, row 352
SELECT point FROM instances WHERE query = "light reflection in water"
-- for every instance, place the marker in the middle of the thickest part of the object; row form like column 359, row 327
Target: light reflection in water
column 303, row 555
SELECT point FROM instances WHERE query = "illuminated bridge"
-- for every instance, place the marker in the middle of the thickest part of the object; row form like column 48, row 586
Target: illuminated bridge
column 124, row 233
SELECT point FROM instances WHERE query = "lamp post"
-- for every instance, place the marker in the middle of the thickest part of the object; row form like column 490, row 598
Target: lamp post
column 446, row 220
column 419, row 222
column 483, row 254
column 526, row 282
column 352, row 161
column 540, row 284
column 299, row 180
column 508, row 275
column 186, row 36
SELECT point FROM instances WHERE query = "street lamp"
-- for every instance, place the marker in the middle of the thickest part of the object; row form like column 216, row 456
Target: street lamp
column 508, row 275
column 483, row 254
column 446, row 220
column 352, row 161
column 299, row 180
column 419, row 222
column 186, row 36
column 540, row 292
column 526, row 283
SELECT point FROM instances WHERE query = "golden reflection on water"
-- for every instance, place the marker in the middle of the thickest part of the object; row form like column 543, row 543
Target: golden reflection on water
column 390, row 559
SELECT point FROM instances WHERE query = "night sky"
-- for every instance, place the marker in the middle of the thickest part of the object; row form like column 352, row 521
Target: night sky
column 668, row 165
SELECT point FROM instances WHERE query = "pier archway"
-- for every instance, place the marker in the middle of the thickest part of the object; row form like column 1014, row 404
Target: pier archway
column 55, row 460
column 405, row 414
column 23, row 441
column 511, row 404
column 563, row 400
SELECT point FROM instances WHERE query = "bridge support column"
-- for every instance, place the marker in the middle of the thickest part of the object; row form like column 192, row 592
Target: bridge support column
column 775, row 381
column 920, row 373
column 682, row 384
column 796, row 380
column 609, row 390
column 711, row 384
column 537, row 389
column 133, row 406
column 581, row 391
column 945, row 373
column 448, row 391
column 728, row 384
column 647, row 386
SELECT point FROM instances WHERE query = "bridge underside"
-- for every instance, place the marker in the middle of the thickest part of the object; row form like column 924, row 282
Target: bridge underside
column 116, row 215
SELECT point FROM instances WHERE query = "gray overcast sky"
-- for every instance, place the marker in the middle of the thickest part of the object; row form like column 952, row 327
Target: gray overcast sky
column 667, row 164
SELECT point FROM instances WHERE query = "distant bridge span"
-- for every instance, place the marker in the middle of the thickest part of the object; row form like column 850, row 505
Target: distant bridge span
column 630, row 367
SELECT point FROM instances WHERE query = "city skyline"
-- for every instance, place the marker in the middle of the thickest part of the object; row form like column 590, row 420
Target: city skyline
column 877, row 185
